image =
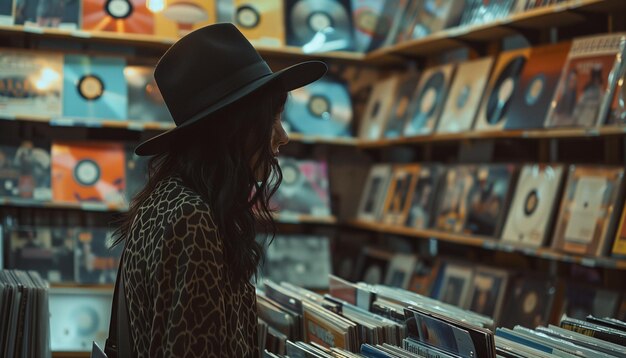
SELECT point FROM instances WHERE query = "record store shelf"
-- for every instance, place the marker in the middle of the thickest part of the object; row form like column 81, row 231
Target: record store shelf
column 568, row 13
column 489, row 244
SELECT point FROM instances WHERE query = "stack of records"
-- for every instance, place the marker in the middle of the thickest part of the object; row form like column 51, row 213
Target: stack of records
column 24, row 325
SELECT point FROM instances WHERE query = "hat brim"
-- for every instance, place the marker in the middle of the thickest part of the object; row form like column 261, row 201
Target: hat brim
column 292, row 77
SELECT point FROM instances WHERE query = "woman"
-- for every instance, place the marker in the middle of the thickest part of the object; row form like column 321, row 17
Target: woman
column 190, row 248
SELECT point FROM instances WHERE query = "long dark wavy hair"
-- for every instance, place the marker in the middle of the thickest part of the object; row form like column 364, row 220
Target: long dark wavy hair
column 228, row 161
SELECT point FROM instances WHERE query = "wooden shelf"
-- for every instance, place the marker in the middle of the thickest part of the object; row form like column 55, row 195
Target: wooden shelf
column 499, row 134
column 71, row 354
column 289, row 218
column 73, row 285
column 569, row 13
column 87, row 206
column 489, row 243
column 347, row 141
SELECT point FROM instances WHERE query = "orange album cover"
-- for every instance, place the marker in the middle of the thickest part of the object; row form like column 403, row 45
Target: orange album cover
column 178, row 18
column 88, row 172
column 124, row 16
column 261, row 21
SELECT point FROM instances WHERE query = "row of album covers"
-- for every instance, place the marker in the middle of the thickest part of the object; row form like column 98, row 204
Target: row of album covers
column 575, row 209
column 99, row 172
column 577, row 83
column 316, row 25
column 568, row 84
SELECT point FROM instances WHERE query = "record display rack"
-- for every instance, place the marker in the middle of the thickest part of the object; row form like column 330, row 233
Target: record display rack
column 498, row 134
column 489, row 244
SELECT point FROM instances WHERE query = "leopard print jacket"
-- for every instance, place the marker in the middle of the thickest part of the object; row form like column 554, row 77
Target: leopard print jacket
column 180, row 300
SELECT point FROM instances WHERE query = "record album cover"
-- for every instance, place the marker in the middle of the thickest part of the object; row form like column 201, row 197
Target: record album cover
column 96, row 260
column 372, row 265
column 372, row 21
column 613, row 110
column 465, row 94
column 261, row 22
column 400, row 271
column 180, row 17
column 433, row 16
column 299, row 259
column 399, row 110
column 585, row 80
column 400, row 194
column 25, row 170
column 62, row 14
column 528, row 302
column 94, row 87
column 537, row 83
column 488, row 291
column 145, row 102
column 488, row 199
column 31, row 83
column 421, row 206
column 322, row 108
column 7, row 10
column 496, row 103
column 453, row 200
column 319, row 25
column 378, row 108
column 582, row 301
column 304, row 189
column 47, row 250
column 428, row 100
column 456, row 284
column 587, row 214
column 374, row 191
column 534, row 205
column 88, row 172
column 78, row 317
column 124, row 16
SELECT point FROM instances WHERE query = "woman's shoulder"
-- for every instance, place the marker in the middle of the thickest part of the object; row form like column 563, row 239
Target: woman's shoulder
column 181, row 202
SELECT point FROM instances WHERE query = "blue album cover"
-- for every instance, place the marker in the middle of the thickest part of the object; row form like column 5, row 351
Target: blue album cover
column 94, row 87
column 6, row 12
column 62, row 14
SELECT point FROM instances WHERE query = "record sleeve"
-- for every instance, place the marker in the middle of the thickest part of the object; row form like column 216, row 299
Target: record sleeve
column 399, row 110
column 88, row 172
column 619, row 245
column 180, row 17
column 400, row 271
column 613, row 110
column 79, row 316
column 372, row 199
column 534, row 205
column 7, row 11
column 488, row 199
column 319, row 25
column 94, row 87
column 456, row 284
column 537, row 83
column 31, row 83
column 582, row 301
column 528, row 302
column 261, row 22
column 125, row 16
column 453, row 198
column 378, row 108
column 62, row 14
column 372, row 265
column 145, row 102
column 301, row 260
column 465, row 95
column 496, row 103
column 304, row 189
column 428, row 100
column 46, row 250
column 585, row 83
column 433, row 16
column 488, row 291
column 25, row 170
column 96, row 259
column 372, row 21
column 423, row 200
column 480, row 11
column 322, row 108
column 403, row 19
column 587, row 214
column 400, row 194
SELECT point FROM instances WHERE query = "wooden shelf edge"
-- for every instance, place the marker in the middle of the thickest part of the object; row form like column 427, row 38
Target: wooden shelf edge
column 31, row 203
column 489, row 243
column 290, row 218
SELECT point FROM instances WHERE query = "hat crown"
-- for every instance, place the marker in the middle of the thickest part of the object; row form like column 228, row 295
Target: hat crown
column 204, row 66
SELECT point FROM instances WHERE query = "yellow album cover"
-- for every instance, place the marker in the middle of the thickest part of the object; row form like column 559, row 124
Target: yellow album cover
column 179, row 17
column 261, row 21
column 400, row 194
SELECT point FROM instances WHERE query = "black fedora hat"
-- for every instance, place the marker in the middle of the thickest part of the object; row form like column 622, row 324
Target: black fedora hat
column 211, row 68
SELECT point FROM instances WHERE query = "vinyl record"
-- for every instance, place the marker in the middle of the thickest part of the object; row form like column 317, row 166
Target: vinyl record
column 528, row 303
column 378, row 107
column 94, row 87
column 261, row 22
column 533, row 205
column 453, row 198
column 87, row 172
column 304, row 189
column 426, row 102
column 126, row 16
column 502, row 91
column 400, row 109
column 328, row 18
column 322, row 108
column 79, row 317
column 372, row 22
column 145, row 102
